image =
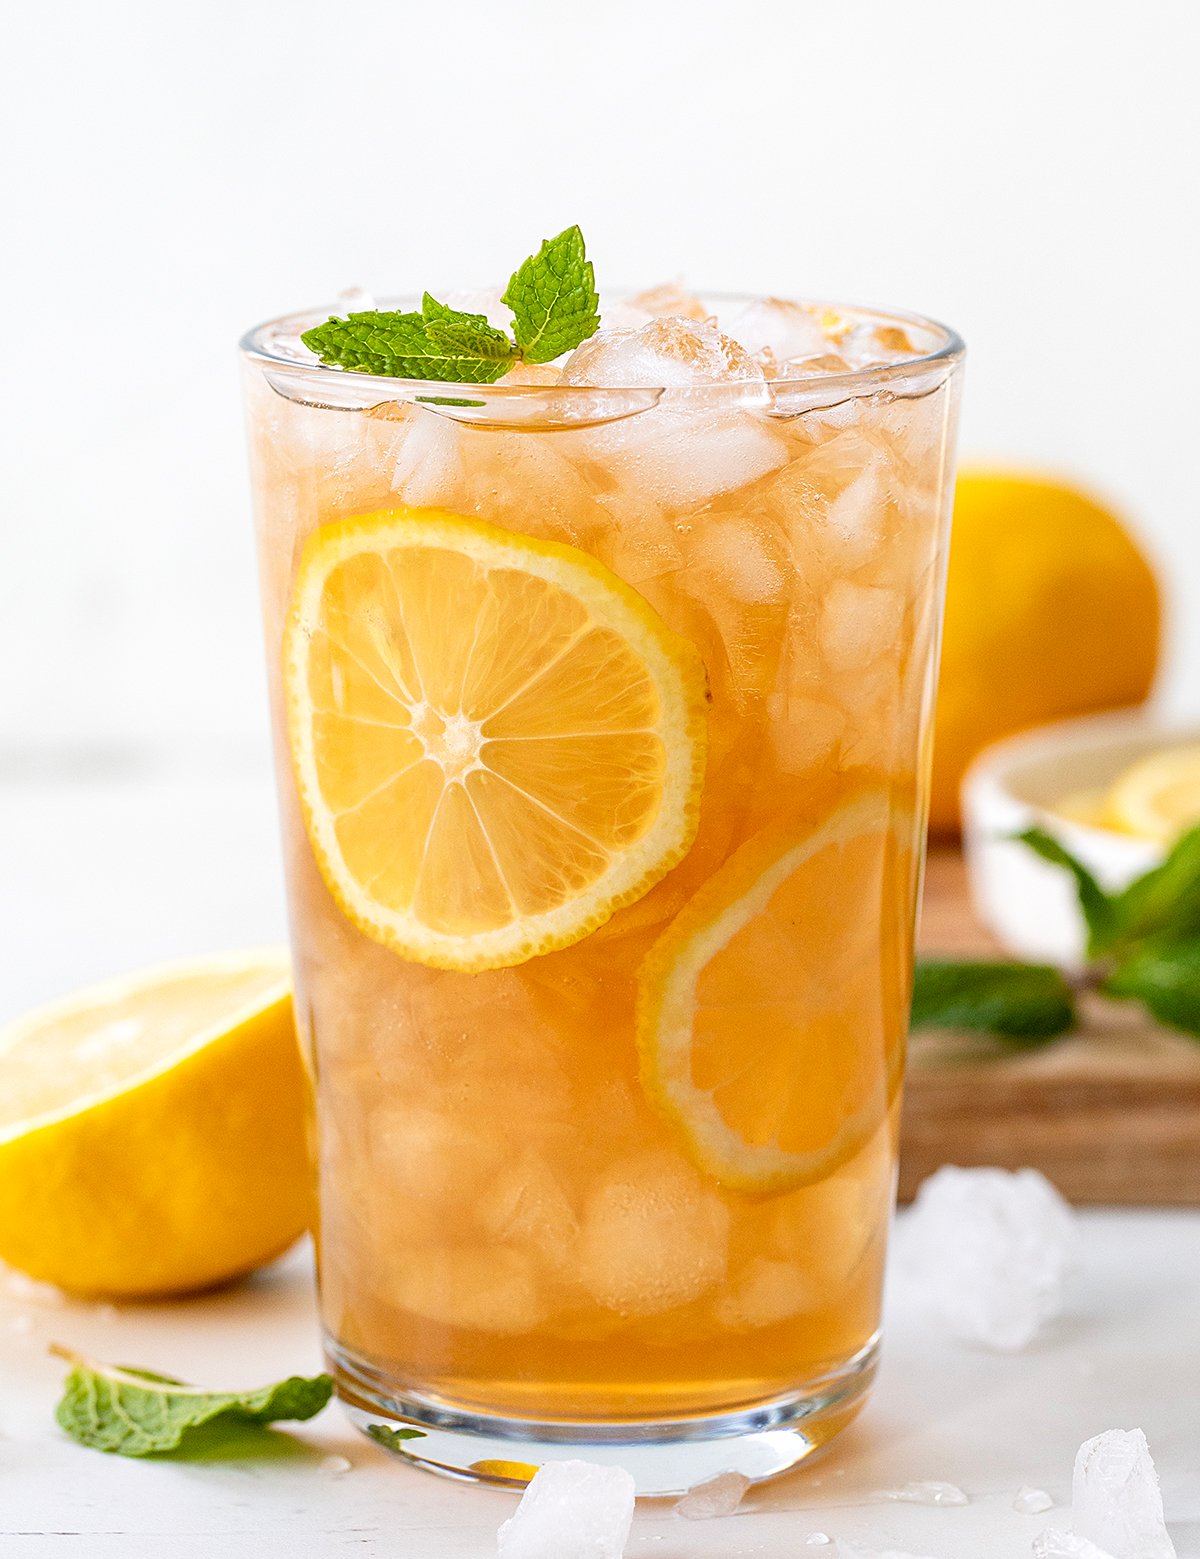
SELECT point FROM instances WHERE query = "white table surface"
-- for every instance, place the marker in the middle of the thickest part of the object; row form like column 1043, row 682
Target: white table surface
column 119, row 870
column 1126, row 1354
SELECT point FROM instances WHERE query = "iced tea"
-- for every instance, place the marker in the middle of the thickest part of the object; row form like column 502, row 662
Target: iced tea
column 602, row 705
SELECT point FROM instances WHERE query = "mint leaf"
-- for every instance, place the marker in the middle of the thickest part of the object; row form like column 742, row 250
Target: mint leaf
column 135, row 1412
column 1099, row 909
column 553, row 299
column 1165, row 900
column 393, row 1438
column 438, row 343
column 1165, row 976
column 1016, row 1001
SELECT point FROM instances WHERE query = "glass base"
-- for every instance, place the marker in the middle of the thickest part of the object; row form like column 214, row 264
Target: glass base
column 665, row 1457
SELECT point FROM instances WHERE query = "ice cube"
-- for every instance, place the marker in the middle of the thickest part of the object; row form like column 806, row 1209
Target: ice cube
column 654, row 1236
column 1053, row 1544
column 859, row 624
column 526, row 1206
column 766, row 1293
column 1031, row 1502
column 785, row 330
column 803, row 731
column 428, row 462
column 674, row 353
column 719, row 1496
column 867, row 345
column 818, row 1539
column 1115, row 1498
column 742, row 559
column 570, row 1510
column 336, row 1465
column 925, row 1492
column 819, row 365
column 989, row 1250
column 488, row 1290
column 670, row 300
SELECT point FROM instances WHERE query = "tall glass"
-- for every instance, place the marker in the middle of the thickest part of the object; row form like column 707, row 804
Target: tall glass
column 609, row 1175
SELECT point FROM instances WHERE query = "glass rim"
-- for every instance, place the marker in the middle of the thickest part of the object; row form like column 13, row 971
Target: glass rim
column 261, row 345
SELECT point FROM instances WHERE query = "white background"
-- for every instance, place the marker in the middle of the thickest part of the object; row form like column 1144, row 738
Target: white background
column 1026, row 171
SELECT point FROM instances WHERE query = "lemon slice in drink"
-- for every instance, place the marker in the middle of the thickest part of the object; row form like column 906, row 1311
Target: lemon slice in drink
column 1158, row 797
column 772, row 1012
column 497, row 742
column 152, row 1134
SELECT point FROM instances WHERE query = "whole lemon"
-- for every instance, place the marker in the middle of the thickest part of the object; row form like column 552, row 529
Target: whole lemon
column 1051, row 611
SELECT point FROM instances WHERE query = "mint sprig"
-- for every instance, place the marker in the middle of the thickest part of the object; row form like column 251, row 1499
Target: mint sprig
column 554, row 305
column 1143, row 945
column 553, row 299
column 134, row 1412
column 438, row 343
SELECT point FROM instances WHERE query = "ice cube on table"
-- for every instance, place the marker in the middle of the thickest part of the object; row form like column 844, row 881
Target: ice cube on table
column 717, row 1496
column 925, row 1492
column 570, row 1510
column 1115, row 1498
column 1031, row 1502
column 673, row 353
column 785, row 330
column 1053, row 1544
column 989, row 1250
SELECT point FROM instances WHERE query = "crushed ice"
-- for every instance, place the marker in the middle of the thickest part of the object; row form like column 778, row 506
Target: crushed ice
column 717, row 1496
column 1031, row 1502
column 989, row 1249
column 335, row 1464
column 570, row 1510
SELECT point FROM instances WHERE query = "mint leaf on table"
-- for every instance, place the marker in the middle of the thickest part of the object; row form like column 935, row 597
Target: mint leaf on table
column 1164, row 975
column 1099, row 909
column 553, row 299
column 393, row 1438
column 438, row 343
column 1028, row 1002
column 135, row 1412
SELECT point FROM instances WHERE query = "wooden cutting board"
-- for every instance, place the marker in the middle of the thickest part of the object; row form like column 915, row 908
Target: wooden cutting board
column 1110, row 1113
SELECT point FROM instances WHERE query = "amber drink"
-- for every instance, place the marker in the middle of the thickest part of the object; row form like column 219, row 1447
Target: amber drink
column 602, row 709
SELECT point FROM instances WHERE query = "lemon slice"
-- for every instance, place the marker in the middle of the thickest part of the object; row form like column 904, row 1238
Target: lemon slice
column 772, row 1012
column 497, row 742
column 1158, row 797
column 152, row 1133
